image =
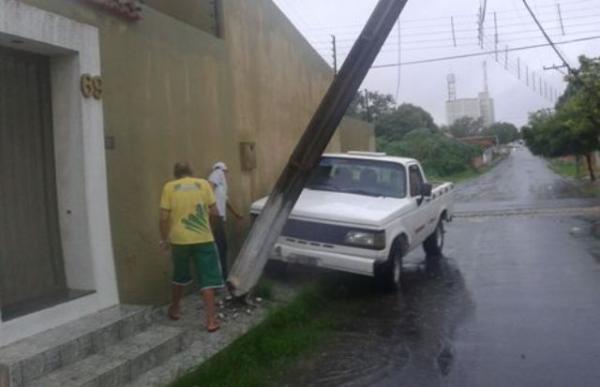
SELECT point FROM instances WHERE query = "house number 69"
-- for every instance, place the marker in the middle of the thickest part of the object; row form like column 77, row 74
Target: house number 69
column 91, row 86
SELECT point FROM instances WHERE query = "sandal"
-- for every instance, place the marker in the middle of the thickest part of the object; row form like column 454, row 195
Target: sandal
column 174, row 316
column 213, row 328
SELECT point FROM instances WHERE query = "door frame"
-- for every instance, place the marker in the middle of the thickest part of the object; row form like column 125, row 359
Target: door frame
column 73, row 49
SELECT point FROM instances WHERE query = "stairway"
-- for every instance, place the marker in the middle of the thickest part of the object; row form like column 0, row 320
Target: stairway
column 110, row 348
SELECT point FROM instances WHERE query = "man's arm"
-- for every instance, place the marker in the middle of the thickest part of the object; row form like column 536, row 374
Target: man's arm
column 233, row 211
column 163, row 225
column 212, row 210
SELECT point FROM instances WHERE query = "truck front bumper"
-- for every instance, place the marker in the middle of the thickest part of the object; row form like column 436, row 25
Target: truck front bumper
column 330, row 260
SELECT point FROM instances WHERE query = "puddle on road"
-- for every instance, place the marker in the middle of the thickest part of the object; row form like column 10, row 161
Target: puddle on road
column 403, row 336
column 588, row 229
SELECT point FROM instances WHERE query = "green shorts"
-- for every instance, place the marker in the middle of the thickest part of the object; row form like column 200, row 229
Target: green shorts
column 206, row 262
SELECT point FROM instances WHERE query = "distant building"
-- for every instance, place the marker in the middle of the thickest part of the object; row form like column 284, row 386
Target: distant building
column 480, row 107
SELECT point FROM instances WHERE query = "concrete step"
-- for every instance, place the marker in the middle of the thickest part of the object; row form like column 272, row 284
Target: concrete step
column 41, row 354
column 119, row 363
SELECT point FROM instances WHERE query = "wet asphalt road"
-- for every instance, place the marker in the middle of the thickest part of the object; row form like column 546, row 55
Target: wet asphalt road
column 516, row 302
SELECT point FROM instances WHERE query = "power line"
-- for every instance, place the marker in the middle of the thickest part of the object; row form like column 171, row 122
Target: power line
column 510, row 68
column 470, row 55
column 471, row 25
column 547, row 37
column 458, row 16
column 574, row 73
column 465, row 42
column 501, row 27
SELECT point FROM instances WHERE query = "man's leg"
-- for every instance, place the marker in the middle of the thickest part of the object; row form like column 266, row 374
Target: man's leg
column 208, row 296
column 176, row 296
column 221, row 241
column 181, row 278
column 211, row 278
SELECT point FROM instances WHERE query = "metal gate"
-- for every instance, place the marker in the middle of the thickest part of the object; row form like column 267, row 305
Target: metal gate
column 31, row 263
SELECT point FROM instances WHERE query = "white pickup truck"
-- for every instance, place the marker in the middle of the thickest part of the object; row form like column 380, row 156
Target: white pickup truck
column 362, row 212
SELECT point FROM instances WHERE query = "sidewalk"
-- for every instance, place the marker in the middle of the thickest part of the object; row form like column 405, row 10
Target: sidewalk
column 236, row 320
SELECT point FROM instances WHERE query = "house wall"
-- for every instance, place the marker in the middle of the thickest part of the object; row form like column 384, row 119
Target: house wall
column 201, row 14
column 173, row 92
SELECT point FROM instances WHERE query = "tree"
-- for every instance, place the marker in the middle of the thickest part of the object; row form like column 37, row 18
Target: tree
column 563, row 133
column 439, row 154
column 402, row 120
column 371, row 105
column 466, row 127
column 575, row 127
column 584, row 88
column 504, row 131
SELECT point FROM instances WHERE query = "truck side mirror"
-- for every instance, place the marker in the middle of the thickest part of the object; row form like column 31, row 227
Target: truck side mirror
column 426, row 189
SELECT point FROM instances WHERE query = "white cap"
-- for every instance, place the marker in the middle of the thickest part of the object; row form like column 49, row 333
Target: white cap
column 220, row 165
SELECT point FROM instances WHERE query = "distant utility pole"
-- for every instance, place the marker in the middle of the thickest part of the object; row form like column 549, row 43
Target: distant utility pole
column 453, row 31
column 481, row 31
column 496, row 35
column 451, row 87
column 334, row 53
column 560, row 19
column 367, row 108
column 554, row 67
column 399, row 80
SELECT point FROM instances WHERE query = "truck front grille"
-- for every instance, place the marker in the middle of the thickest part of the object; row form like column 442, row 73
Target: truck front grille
column 319, row 232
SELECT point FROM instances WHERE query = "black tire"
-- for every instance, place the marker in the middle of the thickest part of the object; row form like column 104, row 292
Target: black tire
column 389, row 275
column 434, row 244
column 277, row 269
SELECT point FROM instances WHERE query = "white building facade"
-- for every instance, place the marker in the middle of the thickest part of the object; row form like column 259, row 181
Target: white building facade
column 75, row 206
column 476, row 108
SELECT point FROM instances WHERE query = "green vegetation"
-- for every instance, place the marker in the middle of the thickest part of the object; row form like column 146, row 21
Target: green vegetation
column 264, row 289
column 466, row 127
column 402, row 120
column 256, row 358
column 440, row 155
column 410, row 131
column 505, row 132
column 460, row 177
column 573, row 128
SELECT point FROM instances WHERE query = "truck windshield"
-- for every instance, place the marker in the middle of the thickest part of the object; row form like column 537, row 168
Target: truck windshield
column 358, row 176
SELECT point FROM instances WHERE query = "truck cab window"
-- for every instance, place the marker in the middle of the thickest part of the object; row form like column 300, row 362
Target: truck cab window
column 416, row 179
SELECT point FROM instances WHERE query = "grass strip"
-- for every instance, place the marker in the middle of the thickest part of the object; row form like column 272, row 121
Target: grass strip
column 566, row 168
column 466, row 175
column 257, row 358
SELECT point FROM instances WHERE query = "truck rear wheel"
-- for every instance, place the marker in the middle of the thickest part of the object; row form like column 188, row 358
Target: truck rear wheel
column 434, row 243
column 390, row 274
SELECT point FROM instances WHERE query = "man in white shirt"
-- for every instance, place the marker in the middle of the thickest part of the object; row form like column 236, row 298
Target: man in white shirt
column 218, row 180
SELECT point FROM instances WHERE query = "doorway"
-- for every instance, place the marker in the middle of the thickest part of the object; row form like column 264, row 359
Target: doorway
column 32, row 273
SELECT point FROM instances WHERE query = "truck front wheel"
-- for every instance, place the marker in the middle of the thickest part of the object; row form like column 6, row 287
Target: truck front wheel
column 434, row 243
column 388, row 275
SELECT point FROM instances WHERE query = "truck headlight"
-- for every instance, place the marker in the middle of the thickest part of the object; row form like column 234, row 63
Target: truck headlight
column 373, row 240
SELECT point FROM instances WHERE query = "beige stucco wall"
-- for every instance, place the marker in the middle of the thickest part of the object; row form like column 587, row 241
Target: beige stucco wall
column 356, row 135
column 173, row 92
column 198, row 13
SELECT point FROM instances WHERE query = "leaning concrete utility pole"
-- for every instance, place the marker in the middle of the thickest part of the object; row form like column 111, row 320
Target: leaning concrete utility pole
column 255, row 252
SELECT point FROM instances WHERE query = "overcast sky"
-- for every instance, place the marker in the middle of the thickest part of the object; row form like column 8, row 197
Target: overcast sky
column 426, row 33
